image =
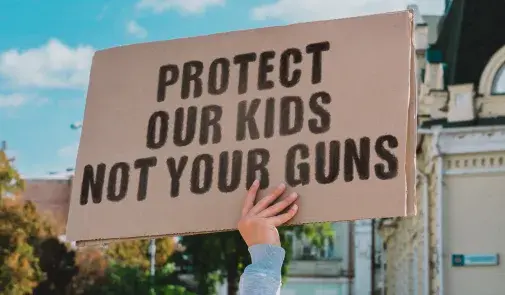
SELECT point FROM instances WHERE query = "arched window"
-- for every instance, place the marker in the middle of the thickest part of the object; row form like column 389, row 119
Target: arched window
column 498, row 86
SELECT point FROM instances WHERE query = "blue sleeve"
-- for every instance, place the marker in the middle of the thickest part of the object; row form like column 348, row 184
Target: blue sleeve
column 263, row 275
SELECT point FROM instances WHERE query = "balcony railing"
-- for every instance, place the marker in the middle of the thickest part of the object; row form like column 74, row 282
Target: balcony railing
column 318, row 268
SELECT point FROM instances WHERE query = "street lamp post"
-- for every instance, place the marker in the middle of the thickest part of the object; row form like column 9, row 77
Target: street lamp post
column 76, row 126
column 152, row 253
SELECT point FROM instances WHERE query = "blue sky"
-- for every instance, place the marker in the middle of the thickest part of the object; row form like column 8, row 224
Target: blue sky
column 46, row 49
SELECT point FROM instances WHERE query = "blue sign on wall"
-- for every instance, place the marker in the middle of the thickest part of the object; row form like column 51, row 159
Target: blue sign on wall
column 475, row 259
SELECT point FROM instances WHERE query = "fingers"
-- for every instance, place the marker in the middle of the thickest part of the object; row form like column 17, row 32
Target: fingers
column 266, row 201
column 278, row 207
column 250, row 197
column 284, row 217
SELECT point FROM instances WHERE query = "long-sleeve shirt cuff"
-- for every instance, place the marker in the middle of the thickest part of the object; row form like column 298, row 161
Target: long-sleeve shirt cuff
column 263, row 275
column 269, row 258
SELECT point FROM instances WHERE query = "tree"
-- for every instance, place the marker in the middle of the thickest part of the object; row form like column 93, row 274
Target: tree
column 30, row 256
column 10, row 180
column 20, row 231
column 131, row 280
column 19, row 271
column 212, row 258
column 135, row 252
column 58, row 263
column 92, row 265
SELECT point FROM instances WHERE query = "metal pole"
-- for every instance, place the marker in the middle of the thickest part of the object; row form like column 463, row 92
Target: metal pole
column 372, row 259
column 152, row 252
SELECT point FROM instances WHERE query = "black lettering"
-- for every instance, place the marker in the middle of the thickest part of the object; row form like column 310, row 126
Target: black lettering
column 151, row 141
column 296, row 74
column 361, row 160
column 255, row 165
column 269, row 117
column 285, row 114
column 317, row 108
column 386, row 155
column 92, row 184
column 303, row 167
column 175, row 171
column 226, row 172
column 208, row 163
column 264, row 68
column 333, row 160
column 191, row 71
column 189, row 126
column 214, row 88
column 164, row 81
column 317, row 59
column 124, row 170
column 211, row 115
column 243, row 60
column 245, row 117
column 144, row 165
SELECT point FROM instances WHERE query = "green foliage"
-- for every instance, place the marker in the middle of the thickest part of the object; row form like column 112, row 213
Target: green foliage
column 19, row 271
column 30, row 259
column 135, row 252
column 212, row 258
column 10, row 180
column 58, row 263
column 92, row 265
column 129, row 280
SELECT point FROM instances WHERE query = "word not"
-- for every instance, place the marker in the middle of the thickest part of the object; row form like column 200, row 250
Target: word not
column 93, row 183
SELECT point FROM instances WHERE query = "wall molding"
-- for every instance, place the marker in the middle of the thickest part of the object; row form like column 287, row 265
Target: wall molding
column 475, row 164
column 316, row 280
column 474, row 171
column 473, row 140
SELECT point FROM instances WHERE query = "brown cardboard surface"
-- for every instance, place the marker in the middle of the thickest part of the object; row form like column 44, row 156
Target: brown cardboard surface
column 357, row 91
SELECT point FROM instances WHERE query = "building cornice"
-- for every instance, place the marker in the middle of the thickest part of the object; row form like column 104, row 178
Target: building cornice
column 472, row 140
column 470, row 150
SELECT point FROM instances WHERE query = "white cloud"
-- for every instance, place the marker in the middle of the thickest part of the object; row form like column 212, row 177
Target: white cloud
column 19, row 99
column 53, row 65
column 69, row 151
column 136, row 30
column 12, row 100
column 184, row 6
column 102, row 13
column 311, row 10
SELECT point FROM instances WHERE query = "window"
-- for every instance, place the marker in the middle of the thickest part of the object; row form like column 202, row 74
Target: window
column 498, row 86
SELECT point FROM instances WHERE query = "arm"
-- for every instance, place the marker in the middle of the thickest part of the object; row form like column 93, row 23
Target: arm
column 263, row 275
column 258, row 227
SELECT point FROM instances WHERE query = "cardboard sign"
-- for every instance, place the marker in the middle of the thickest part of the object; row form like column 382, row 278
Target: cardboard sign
column 176, row 131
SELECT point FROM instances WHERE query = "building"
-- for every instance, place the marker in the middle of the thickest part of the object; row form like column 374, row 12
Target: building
column 453, row 244
column 425, row 34
column 51, row 196
column 326, row 271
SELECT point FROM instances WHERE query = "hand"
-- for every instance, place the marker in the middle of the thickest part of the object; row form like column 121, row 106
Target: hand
column 258, row 224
